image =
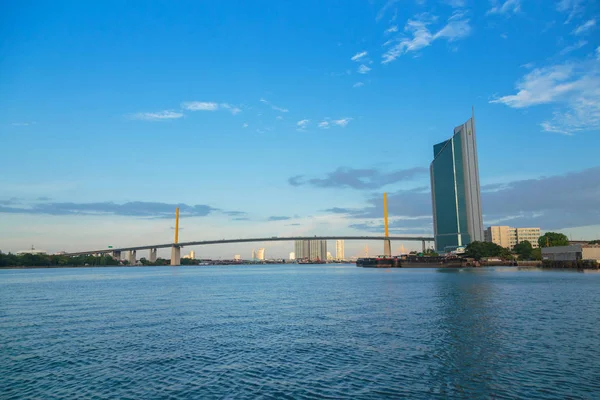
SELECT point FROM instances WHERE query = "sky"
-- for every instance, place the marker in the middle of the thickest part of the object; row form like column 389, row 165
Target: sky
column 281, row 118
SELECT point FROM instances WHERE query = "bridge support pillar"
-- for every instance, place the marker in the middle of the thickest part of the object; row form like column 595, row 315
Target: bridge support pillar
column 152, row 256
column 132, row 257
column 423, row 245
column 387, row 248
column 175, row 255
column 116, row 255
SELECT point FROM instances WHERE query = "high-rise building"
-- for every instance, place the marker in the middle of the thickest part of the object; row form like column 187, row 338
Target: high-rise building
column 311, row 249
column 260, row 254
column 455, row 191
column 507, row 236
column 292, row 256
column 339, row 249
column 329, row 256
column 192, row 254
column 253, row 254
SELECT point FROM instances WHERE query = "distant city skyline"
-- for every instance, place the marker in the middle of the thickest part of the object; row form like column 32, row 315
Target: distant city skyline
column 107, row 127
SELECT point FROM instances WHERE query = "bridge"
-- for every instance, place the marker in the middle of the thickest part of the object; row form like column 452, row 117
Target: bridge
column 176, row 245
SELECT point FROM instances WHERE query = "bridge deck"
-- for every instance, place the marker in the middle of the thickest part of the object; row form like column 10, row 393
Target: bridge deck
column 266, row 239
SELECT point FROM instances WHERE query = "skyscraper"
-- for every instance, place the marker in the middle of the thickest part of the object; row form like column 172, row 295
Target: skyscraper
column 455, row 191
column 260, row 254
column 339, row 249
column 311, row 249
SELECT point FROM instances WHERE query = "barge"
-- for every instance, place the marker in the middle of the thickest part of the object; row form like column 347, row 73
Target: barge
column 411, row 261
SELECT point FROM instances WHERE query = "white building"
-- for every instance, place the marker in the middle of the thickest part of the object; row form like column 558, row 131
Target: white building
column 339, row 249
column 260, row 254
column 292, row 256
column 507, row 236
column 329, row 256
column 237, row 257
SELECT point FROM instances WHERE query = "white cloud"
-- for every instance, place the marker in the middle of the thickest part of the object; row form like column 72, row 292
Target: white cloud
column 245, row 125
column 573, row 47
column 324, row 124
column 200, row 106
column 585, row 27
column 274, row 107
column 572, row 7
column 358, row 84
column 210, row 106
column 455, row 3
column 507, row 7
column 392, row 29
column 363, row 69
column 232, row 109
column 359, row 56
column 302, row 123
column 279, row 117
column 157, row 116
column 457, row 27
column 573, row 88
column 342, row 122
column 388, row 5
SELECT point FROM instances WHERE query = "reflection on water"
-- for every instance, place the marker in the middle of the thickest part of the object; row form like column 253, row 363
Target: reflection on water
column 299, row 332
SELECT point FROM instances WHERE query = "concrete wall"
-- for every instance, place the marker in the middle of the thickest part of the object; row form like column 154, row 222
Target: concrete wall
column 591, row 253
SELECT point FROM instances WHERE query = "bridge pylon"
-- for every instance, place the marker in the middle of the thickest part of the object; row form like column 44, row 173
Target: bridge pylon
column 387, row 244
column 175, row 249
column 175, row 255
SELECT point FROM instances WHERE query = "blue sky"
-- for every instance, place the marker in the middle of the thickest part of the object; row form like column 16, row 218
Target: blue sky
column 112, row 113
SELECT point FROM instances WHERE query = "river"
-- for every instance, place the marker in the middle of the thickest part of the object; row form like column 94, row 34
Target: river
column 298, row 331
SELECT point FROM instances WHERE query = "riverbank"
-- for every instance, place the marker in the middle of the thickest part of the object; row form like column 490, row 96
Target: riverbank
column 579, row 264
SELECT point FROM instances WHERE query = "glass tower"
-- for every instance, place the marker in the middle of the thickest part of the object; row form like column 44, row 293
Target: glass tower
column 455, row 192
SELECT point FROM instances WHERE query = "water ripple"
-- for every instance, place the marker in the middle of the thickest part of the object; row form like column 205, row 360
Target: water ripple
column 298, row 332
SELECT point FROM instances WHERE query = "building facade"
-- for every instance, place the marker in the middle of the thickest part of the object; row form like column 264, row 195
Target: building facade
column 455, row 190
column 507, row 236
column 572, row 252
column 311, row 249
column 339, row 249
column 530, row 234
column 260, row 254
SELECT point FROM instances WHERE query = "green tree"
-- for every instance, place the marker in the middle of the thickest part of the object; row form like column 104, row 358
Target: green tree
column 552, row 239
column 536, row 254
column 594, row 242
column 479, row 250
column 430, row 253
column 523, row 249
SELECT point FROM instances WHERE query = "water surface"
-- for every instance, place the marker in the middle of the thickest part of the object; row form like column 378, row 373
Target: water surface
column 299, row 331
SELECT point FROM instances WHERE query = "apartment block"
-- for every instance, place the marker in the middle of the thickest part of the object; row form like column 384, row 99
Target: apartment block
column 507, row 236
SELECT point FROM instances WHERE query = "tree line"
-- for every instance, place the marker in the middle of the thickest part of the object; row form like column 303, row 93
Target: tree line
column 47, row 260
column 523, row 250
